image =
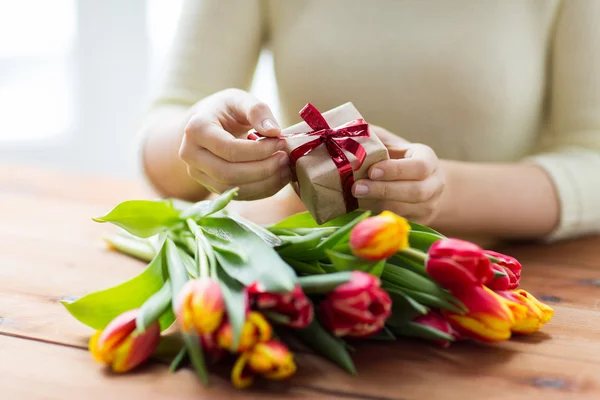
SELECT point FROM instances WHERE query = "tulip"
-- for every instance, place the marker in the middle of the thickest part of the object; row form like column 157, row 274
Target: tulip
column 510, row 267
column 200, row 306
column 379, row 237
column 436, row 321
column 537, row 313
column 294, row 305
column 121, row 346
column 272, row 360
column 210, row 347
column 256, row 329
column 356, row 308
column 456, row 264
column 490, row 317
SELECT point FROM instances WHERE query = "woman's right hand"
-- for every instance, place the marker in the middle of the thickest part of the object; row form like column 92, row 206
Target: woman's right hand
column 218, row 154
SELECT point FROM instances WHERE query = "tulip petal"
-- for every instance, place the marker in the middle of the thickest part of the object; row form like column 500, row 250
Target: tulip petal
column 240, row 375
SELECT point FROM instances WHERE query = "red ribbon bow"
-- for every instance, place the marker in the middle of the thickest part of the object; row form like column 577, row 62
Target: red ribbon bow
column 336, row 140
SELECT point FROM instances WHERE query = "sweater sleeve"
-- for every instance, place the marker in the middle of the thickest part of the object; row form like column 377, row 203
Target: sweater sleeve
column 216, row 46
column 570, row 147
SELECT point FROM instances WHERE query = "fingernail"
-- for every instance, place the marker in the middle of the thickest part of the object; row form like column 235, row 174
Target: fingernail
column 269, row 124
column 280, row 144
column 361, row 190
column 376, row 173
column 283, row 161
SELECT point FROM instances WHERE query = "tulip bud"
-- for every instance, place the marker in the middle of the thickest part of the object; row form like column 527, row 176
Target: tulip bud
column 272, row 360
column 200, row 306
column 435, row 320
column 356, row 308
column 510, row 267
column 120, row 346
column 379, row 237
column 455, row 263
column 256, row 329
column 294, row 305
column 490, row 317
column 537, row 313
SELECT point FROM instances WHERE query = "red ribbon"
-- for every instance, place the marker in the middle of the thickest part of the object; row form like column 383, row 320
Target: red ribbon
column 336, row 140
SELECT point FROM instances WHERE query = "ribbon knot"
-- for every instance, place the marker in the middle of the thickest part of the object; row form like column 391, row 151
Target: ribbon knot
column 336, row 140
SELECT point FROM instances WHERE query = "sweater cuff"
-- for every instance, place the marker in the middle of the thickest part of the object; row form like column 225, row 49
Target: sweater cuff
column 578, row 187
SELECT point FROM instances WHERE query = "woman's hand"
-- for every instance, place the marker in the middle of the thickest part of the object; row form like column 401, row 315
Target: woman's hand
column 411, row 183
column 219, row 156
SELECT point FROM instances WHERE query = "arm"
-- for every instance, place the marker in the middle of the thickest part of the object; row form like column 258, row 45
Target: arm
column 556, row 192
column 216, row 47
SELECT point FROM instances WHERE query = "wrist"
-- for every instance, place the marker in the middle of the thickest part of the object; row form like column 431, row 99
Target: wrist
column 449, row 207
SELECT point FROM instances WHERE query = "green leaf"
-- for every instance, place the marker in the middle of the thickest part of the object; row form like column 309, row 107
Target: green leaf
column 98, row 309
column 413, row 329
column 384, row 335
column 298, row 246
column 157, row 306
column 178, row 360
column 335, row 238
column 414, row 227
column 305, row 220
column 305, row 268
column 422, row 240
column 223, row 241
column 194, row 350
column 404, row 307
column 263, row 233
column 408, row 263
column 177, row 272
column 322, row 342
column 205, row 255
column 133, row 246
column 349, row 262
column 410, row 280
column 377, row 269
column 235, row 302
column 323, row 283
column 262, row 263
column 142, row 218
column 190, row 264
column 432, row 301
column 207, row 207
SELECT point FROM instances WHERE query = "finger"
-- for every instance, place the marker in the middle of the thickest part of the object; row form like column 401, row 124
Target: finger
column 403, row 191
column 239, row 173
column 205, row 133
column 405, row 169
column 247, row 109
column 249, row 191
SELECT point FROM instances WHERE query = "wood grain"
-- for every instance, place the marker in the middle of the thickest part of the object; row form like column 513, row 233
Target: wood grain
column 50, row 249
column 35, row 370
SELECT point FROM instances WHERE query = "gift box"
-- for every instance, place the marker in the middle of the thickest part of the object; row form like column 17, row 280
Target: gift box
column 328, row 152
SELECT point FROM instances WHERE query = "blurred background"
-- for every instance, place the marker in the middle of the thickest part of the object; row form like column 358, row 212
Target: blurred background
column 76, row 75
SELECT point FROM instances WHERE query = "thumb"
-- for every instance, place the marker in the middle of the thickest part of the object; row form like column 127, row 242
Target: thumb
column 257, row 113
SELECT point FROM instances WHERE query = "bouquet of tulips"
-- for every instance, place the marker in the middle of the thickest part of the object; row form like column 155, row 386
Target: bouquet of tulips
column 221, row 287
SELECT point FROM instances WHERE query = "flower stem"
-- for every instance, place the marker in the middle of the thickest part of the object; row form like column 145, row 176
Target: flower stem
column 415, row 254
column 135, row 247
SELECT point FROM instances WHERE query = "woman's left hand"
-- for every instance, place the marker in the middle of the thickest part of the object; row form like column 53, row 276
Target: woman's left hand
column 410, row 183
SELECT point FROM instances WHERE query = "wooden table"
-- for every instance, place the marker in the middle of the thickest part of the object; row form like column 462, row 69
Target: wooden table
column 50, row 249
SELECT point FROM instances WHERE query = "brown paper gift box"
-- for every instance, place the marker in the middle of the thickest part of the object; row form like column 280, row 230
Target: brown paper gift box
column 318, row 178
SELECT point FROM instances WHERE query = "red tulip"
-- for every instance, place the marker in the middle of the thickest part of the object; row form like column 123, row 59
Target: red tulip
column 121, row 346
column 356, row 308
column 294, row 305
column 511, row 268
column 200, row 306
column 379, row 237
column 435, row 320
column 455, row 263
column 490, row 317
